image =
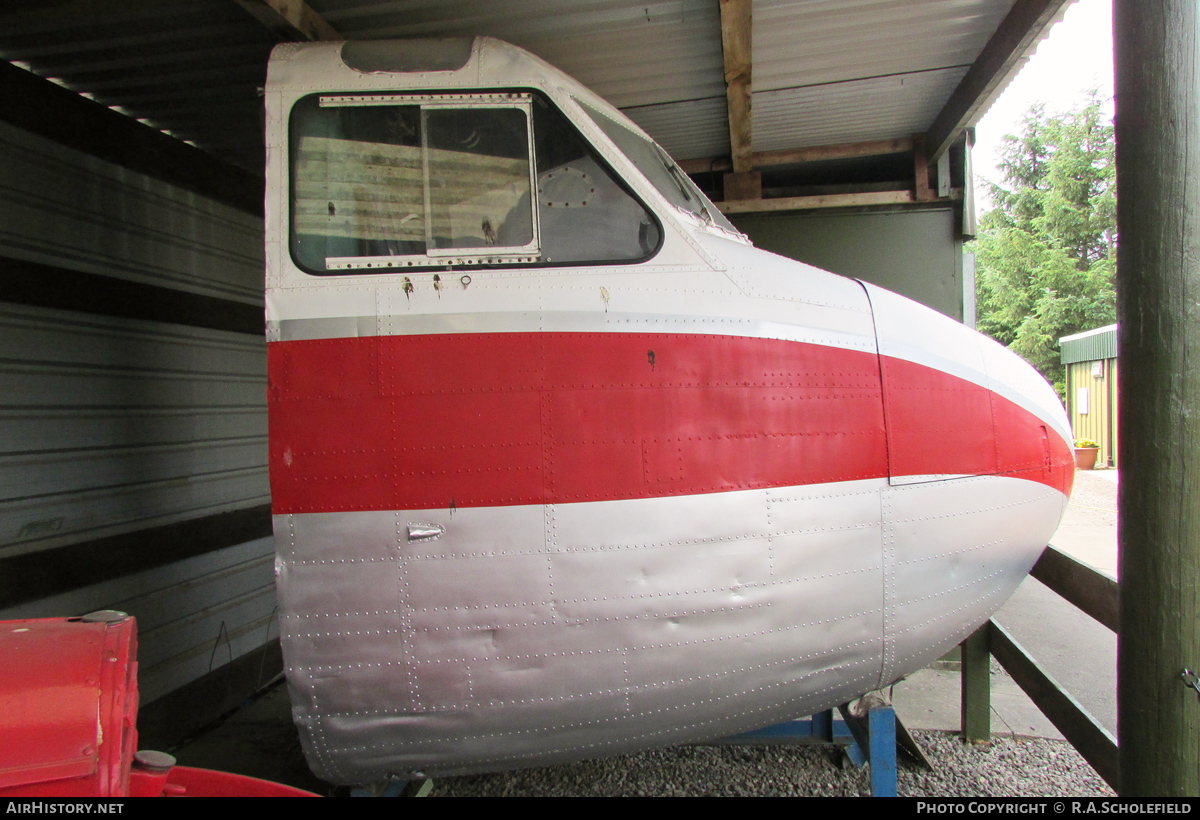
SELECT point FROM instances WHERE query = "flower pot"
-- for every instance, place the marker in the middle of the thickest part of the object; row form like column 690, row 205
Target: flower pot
column 1085, row 457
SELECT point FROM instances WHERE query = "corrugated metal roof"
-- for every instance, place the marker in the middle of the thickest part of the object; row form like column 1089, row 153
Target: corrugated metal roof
column 190, row 67
column 111, row 425
column 876, row 108
column 1089, row 346
column 824, row 70
column 695, row 128
column 631, row 52
column 823, row 41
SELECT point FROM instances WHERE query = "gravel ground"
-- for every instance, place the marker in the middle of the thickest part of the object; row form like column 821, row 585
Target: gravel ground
column 260, row 741
column 1015, row 767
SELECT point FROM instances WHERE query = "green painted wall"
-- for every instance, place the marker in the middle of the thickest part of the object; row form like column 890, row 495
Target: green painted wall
column 914, row 253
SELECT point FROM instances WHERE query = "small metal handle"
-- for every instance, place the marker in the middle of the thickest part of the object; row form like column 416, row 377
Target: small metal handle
column 425, row 532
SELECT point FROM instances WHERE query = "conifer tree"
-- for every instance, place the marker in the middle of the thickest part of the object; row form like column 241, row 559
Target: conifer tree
column 1046, row 252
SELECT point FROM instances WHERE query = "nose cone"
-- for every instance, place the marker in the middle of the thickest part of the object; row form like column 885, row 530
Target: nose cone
column 980, row 467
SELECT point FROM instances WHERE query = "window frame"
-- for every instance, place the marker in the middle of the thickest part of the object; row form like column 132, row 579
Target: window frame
column 432, row 258
column 456, row 258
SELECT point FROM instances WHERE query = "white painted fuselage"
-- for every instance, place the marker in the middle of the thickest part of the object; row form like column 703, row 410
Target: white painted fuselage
column 527, row 513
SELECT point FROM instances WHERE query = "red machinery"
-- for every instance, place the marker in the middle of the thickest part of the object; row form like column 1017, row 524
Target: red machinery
column 68, row 717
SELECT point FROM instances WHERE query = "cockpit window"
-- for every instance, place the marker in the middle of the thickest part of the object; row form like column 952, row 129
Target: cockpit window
column 388, row 182
column 660, row 169
column 586, row 214
column 477, row 167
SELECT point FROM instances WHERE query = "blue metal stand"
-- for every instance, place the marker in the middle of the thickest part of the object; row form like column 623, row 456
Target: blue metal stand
column 882, row 729
column 870, row 740
column 820, row 728
column 393, row 788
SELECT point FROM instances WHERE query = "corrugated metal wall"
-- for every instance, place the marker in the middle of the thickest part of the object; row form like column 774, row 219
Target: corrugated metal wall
column 180, row 609
column 111, row 425
column 114, row 426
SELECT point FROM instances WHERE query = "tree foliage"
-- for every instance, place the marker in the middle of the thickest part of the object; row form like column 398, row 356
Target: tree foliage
column 1046, row 252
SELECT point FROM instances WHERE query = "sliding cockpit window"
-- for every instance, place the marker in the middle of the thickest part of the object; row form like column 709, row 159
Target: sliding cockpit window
column 390, row 182
column 387, row 182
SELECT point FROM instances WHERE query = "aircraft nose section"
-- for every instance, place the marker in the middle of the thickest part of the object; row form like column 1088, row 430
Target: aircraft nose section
column 958, row 404
column 980, row 467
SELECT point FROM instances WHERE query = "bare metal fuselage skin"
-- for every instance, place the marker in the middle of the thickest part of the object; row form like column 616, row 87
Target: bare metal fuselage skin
column 531, row 513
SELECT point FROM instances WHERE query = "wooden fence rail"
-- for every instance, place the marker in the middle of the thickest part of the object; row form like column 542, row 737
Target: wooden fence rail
column 1093, row 593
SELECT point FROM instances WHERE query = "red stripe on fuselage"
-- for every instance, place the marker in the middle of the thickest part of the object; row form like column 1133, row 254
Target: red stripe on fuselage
column 480, row 420
column 941, row 424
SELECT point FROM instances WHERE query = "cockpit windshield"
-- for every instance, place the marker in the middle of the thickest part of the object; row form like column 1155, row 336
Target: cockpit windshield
column 660, row 169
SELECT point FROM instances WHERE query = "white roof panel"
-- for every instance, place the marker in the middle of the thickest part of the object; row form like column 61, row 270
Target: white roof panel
column 631, row 53
column 877, row 108
column 821, row 41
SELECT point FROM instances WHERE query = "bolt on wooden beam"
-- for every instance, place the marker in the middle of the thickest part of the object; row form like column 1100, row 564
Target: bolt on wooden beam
column 291, row 20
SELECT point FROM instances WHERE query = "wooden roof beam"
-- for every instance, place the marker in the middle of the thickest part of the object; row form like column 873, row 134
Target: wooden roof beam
column 291, row 20
column 797, row 156
column 735, row 43
column 743, row 183
column 849, row 200
column 1025, row 23
column 845, row 150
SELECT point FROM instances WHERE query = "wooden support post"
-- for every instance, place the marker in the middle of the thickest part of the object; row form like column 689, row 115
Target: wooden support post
column 921, row 170
column 1158, row 290
column 968, row 212
column 746, row 185
column 736, row 47
column 976, row 687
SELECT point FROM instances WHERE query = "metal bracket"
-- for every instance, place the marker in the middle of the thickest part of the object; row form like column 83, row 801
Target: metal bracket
column 1191, row 679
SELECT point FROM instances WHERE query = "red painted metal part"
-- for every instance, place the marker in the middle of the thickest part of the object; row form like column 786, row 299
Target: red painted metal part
column 68, row 705
column 185, row 781
column 68, row 715
column 941, row 424
column 480, row 420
